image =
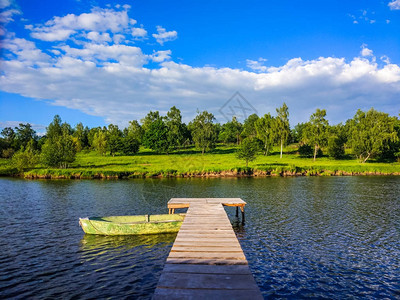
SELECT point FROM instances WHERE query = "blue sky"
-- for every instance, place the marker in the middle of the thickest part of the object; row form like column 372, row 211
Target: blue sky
column 104, row 62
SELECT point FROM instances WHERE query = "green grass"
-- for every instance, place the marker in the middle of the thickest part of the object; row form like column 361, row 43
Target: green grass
column 221, row 162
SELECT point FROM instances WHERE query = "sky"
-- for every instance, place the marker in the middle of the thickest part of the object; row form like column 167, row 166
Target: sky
column 102, row 62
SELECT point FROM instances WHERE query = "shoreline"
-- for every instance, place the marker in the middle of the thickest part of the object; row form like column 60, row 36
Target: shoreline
column 221, row 174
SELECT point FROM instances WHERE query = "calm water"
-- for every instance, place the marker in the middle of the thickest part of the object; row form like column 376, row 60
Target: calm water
column 315, row 237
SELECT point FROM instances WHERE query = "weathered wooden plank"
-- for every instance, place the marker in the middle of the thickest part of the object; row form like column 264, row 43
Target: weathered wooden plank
column 207, row 281
column 207, row 269
column 198, row 261
column 208, row 255
column 212, row 294
column 206, row 244
column 196, row 248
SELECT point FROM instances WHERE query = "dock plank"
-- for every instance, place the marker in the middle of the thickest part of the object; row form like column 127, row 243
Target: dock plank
column 206, row 260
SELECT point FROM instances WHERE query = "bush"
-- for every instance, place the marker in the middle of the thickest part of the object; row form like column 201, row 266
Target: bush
column 7, row 153
column 306, row 150
column 335, row 147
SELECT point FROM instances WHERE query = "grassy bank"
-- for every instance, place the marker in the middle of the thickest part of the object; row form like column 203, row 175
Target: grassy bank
column 221, row 162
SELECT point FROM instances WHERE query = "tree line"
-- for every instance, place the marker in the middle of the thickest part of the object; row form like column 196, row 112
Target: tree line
column 370, row 134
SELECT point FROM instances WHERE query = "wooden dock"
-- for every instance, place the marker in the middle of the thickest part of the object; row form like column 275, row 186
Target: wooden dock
column 206, row 260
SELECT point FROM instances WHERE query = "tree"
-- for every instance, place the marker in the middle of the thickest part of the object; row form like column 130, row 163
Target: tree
column 54, row 129
column 9, row 139
column 156, row 136
column 59, row 151
column 100, row 142
column 249, row 127
column 282, row 128
column 203, row 131
column 231, row 131
column 134, row 130
column 114, row 136
column 81, row 136
column 336, row 141
column 176, row 130
column 149, row 119
column 297, row 132
column 371, row 133
column 129, row 145
column 248, row 150
column 26, row 157
column 25, row 134
column 264, row 127
column 315, row 131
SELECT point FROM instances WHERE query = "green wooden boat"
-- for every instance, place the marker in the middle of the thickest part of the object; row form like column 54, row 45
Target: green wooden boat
column 125, row 225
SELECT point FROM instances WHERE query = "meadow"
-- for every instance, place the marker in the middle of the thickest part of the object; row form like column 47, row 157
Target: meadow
column 221, row 161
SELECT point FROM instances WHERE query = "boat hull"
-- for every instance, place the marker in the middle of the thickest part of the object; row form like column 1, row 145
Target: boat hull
column 132, row 225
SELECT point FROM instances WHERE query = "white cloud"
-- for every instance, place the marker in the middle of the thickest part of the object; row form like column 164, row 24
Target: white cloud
column 7, row 13
column 99, row 37
column 40, row 129
column 123, row 90
column 161, row 56
column 139, row 32
column 365, row 51
column 394, row 5
column 4, row 3
column 257, row 65
column 103, row 77
column 164, row 36
column 99, row 20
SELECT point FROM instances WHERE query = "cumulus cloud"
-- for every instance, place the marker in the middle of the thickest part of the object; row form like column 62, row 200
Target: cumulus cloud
column 124, row 89
column 257, row 65
column 394, row 5
column 163, row 35
column 139, row 32
column 7, row 13
column 98, row 20
column 365, row 51
column 104, row 77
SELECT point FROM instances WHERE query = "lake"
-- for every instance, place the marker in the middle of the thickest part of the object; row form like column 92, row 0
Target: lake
column 304, row 237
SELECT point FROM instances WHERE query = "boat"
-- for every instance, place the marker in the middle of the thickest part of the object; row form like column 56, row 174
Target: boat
column 132, row 225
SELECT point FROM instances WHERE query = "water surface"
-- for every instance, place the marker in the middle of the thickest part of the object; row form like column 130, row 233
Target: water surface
column 318, row 237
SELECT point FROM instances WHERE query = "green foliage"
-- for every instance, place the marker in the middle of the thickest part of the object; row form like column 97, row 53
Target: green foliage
column 134, row 130
column 129, row 145
column 156, row 136
column 150, row 118
column 265, row 131
column 81, row 137
column 54, row 129
column 26, row 158
column 176, row 129
column 316, row 130
column 59, row 151
column 114, row 136
column 281, row 126
column 248, row 150
column 249, row 127
column 371, row 133
column 230, row 131
column 305, row 150
column 335, row 147
column 7, row 153
column 99, row 142
column 203, row 130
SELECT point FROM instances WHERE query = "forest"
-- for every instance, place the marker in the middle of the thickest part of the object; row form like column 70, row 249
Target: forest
column 369, row 135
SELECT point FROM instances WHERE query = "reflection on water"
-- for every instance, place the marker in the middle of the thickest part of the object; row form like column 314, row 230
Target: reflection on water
column 319, row 237
column 91, row 243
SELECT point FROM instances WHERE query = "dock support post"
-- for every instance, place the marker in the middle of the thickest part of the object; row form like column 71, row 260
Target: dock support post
column 242, row 209
column 237, row 211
